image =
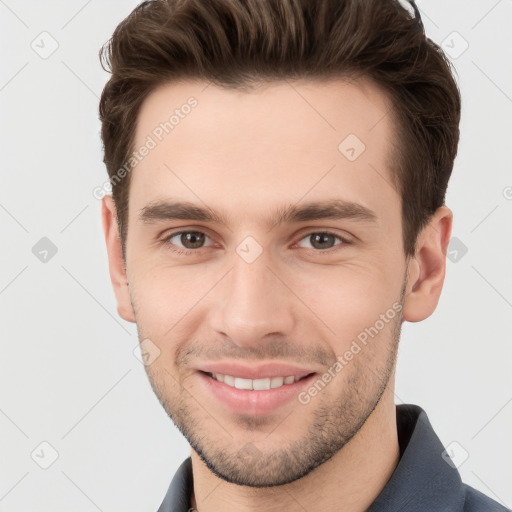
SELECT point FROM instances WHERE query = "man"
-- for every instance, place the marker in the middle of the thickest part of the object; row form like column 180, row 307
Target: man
column 279, row 169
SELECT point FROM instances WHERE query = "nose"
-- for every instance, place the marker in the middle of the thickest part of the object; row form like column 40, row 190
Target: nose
column 254, row 303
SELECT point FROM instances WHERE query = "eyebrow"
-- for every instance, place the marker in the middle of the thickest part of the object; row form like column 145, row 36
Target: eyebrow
column 335, row 209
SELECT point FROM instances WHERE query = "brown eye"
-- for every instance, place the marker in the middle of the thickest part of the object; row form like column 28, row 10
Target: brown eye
column 322, row 240
column 192, row 239
column 186, row 240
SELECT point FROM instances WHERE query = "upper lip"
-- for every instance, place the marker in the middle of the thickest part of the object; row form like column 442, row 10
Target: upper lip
column 255, row 371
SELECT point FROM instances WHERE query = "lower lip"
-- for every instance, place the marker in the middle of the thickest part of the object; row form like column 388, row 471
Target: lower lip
column 254, row 402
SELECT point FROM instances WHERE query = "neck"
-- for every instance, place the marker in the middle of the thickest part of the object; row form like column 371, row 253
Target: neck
column 349, row 481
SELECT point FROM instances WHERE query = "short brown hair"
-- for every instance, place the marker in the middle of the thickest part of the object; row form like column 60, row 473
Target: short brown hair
column 239, row 43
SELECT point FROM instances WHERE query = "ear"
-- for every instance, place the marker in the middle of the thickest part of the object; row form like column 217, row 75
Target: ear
column 116, row 263
column 426, row 270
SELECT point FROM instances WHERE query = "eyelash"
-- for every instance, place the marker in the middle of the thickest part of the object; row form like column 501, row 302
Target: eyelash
column 186, row 252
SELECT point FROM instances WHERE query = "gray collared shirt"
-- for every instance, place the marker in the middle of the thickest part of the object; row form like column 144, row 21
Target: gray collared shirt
column 423, row 481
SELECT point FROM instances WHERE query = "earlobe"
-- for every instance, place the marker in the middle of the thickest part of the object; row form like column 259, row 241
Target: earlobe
column 426, row 270
column 116, row 261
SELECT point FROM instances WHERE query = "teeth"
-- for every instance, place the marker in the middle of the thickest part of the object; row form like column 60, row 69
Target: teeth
column 276, row 382
column 243, row 383
column 256, row 384
column 261, row 384
column 230, row 381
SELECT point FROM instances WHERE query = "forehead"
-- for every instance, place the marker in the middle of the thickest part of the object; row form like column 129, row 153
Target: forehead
column 298, row 138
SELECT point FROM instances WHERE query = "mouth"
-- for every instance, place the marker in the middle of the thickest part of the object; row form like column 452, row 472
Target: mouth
column 254, row 396
column 256, row 384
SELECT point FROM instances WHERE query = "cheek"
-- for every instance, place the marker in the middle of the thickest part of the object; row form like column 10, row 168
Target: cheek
column 166, row 298
column 353, row 301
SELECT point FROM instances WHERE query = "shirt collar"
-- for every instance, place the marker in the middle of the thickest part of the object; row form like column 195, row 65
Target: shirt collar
column 422, row 480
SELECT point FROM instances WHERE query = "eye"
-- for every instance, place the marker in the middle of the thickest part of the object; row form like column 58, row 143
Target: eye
column 190, row 241
column 323, row 240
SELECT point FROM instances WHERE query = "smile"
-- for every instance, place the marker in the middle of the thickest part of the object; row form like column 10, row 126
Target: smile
column 254, row 384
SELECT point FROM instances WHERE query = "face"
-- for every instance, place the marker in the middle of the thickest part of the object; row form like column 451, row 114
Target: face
column 266, row 269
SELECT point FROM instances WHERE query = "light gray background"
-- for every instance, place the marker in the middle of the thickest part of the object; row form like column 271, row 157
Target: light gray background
column 68, row 373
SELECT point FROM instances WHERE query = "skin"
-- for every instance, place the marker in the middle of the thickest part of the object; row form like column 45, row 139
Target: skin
column 245, row 154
